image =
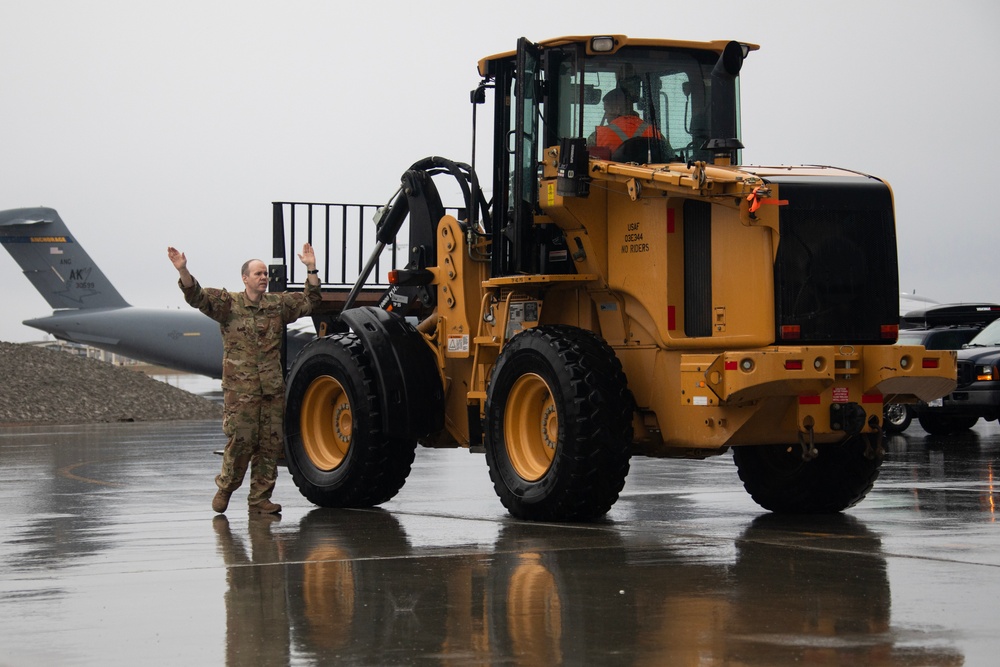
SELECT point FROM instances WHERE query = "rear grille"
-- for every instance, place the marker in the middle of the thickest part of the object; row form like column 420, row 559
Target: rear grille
column 836, row 278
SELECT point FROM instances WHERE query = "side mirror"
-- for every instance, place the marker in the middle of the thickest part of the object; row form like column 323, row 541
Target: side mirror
column 478, row 96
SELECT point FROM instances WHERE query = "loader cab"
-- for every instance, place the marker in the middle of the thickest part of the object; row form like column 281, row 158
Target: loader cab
column 681, row 100
column 666, row 101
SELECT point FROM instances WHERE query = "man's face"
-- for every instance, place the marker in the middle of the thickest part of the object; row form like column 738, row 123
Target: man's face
column 256, row 278
column 616, row 108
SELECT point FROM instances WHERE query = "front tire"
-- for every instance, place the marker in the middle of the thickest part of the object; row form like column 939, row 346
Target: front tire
column 896, row 417
column 336, row 452
column 558, row 425
column 779, row 480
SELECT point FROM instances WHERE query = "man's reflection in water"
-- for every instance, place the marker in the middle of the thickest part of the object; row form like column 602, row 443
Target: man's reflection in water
column 256, row 611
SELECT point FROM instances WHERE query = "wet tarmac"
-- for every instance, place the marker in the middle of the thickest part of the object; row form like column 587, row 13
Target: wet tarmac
column 111, row 556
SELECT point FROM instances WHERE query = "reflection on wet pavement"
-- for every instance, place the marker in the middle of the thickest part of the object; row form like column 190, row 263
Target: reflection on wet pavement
column 257, row 630
column 112, row 556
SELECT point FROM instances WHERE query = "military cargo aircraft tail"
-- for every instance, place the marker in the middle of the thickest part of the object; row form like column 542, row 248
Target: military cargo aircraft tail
column 88, row 309
column 58, row 266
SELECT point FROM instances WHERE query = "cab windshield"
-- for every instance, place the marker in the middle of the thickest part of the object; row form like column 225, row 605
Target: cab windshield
column 670, row 94
column 988, row 337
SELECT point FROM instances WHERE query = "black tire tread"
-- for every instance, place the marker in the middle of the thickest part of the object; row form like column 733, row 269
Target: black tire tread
column 377, row 466
column 593, row 467
column 778, row 480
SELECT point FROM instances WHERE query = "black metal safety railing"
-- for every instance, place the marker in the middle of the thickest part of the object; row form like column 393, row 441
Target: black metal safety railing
column 342, row 236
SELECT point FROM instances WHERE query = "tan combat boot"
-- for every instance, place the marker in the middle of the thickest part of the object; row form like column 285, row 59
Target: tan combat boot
column 221, row 500
column 265, row 507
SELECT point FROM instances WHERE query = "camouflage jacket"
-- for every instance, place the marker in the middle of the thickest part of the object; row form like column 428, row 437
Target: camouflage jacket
column 252, row 333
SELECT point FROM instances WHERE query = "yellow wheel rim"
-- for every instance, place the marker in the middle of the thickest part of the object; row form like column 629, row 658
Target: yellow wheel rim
column 326, row 422
column 531, row 427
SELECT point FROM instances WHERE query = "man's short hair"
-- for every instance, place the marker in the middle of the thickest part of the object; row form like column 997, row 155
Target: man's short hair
column 245, row 269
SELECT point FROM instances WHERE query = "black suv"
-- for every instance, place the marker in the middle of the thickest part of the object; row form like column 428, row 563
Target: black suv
column 938, row 327
column 978, row 392
column 896, row 417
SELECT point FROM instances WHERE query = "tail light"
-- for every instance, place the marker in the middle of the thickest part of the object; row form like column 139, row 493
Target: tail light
column 790, row 331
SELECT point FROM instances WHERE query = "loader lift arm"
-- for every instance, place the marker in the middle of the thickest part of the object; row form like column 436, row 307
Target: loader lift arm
column 418, row 200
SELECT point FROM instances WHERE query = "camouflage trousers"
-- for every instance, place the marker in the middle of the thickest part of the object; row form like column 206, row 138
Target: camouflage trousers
column 253, row 424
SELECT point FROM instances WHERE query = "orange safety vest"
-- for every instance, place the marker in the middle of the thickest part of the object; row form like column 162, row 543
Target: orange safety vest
column 617, row 131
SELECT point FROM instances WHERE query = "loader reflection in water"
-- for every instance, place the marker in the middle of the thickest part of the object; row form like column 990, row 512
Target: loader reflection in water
column 359, row 593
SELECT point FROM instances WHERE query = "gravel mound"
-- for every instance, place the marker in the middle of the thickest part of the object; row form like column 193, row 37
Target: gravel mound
column 39, row 385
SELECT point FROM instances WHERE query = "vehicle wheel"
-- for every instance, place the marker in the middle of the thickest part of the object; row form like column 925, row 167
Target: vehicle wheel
column 558, row 425
column 896, row 417
column 936, row 424
column 779, row 480
column 334, row 446
column 964, row 423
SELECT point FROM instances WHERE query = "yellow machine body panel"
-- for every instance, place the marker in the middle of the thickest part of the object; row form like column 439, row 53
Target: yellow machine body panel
column 730, row 385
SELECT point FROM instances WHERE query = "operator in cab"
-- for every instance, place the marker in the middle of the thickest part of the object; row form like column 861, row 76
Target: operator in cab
column 622, row 123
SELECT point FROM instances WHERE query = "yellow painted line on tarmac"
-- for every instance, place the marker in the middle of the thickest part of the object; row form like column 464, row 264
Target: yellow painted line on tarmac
column 68, row 473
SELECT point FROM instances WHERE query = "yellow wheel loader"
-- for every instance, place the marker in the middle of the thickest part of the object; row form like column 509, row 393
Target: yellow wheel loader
column 628, row 289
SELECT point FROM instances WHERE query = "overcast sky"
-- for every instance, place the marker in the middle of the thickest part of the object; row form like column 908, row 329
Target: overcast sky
column 148, row 124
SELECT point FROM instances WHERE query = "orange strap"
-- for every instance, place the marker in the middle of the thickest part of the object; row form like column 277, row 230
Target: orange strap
column 756, row 201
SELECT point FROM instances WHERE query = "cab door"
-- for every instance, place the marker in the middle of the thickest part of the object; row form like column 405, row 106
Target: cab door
column 514, row 239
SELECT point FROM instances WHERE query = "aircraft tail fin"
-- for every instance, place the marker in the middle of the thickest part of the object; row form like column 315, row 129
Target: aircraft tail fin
column 58, row 267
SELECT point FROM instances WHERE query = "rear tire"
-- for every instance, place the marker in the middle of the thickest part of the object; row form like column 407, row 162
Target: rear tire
column 779, row 480
column 558, row 425
column 336, row 452
column 936, row 424
column 965, row 423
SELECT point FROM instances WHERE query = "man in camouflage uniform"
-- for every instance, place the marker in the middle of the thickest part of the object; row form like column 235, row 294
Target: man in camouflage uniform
column 253, row 386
